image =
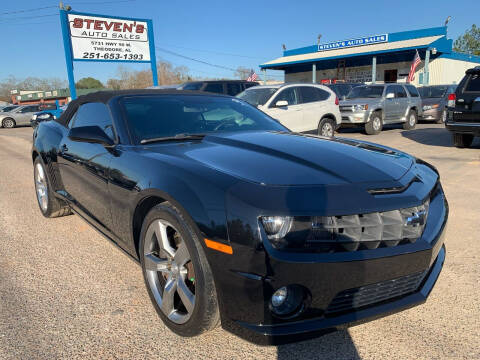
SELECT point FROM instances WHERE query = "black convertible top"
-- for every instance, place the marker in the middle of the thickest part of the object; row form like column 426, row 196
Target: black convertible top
column 106, row 96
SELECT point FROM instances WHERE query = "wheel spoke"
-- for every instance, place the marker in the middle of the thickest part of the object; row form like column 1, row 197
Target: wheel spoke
column 181, row 255
column 188, row 298
column 154, row 263
column 168, row 297
column 161, row 233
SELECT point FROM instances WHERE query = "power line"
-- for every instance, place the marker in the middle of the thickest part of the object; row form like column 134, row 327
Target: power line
column 28, row 10
column 215, row 52
column 25, row 17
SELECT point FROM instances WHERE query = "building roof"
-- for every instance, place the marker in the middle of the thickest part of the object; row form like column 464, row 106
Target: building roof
column 399, row 43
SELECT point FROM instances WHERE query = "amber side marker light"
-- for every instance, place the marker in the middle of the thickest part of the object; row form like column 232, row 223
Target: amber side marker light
column 227, row 249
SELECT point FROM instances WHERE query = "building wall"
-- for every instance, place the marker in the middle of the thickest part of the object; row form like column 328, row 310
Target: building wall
column 442, row 71
column 448, row 71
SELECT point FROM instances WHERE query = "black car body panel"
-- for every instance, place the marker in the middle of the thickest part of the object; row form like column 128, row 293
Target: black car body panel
column 225, row 182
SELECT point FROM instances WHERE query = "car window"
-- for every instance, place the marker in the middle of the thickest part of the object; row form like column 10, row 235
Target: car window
column 362, row 92
column 216, row 88
column 28, row 109
column 94, row 114
column 257, row 96
column 249, row 84
column 412, row 90
column 400, row 91
column 390, row 89
column 150, row 117
column 473, row 83
column 234, row 88
column 311, row 94
column 192, row 86
column 289, row 94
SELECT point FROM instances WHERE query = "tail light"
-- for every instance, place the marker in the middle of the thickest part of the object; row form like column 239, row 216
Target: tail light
column 451, row 100
column 337, row 102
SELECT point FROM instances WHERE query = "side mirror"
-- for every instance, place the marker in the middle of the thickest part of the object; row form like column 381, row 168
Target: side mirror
column 390, row 96
column 90, row 134
column 281, row 103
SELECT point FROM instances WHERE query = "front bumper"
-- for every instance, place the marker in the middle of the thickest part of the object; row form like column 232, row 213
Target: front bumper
column 357, row 117
column 432, row 114
column 254, row 274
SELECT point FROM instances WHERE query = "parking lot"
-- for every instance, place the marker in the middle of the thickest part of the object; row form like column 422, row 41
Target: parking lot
column 67, row 292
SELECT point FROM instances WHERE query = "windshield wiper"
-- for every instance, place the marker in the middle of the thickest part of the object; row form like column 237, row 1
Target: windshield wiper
column 178, row 137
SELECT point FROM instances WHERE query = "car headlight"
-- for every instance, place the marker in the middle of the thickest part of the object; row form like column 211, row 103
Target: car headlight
column 346, row 233
column 430, row 107
column 34, row 117
column 360, row 107
column 44, row 116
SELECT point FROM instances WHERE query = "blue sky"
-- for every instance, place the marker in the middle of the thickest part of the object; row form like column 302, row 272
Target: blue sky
column 241, row 33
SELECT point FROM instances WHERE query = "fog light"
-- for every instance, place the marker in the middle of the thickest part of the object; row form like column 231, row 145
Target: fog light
column 279, row 296
column 288, row 301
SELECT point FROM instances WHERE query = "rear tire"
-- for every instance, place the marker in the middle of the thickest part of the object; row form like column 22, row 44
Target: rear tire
column 375, row 125
column 412, row 120
column 462, row 140
column 185, row 279
column 8, row 123
column 326, row 127
column 442, row 118
column 49, row 205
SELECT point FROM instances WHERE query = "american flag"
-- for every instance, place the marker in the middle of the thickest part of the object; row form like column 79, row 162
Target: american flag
column 416, row 61
column 252, row 76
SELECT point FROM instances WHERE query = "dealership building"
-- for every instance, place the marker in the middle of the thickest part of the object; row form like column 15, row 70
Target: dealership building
column 377, row 59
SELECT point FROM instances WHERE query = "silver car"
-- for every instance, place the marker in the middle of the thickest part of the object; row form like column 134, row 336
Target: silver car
column 376, row 105
column 18, row 116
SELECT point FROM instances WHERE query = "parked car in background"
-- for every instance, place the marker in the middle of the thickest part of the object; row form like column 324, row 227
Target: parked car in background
column 376, row 105
column 463, row 118
column 227, row 87
column 275, row 235
column 8, row 108
column 50, row 112
column 21, row 115
column 342, row 89
column 299, row 107
column 434, row 101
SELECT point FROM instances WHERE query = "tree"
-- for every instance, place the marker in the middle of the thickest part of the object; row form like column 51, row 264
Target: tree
column 89, row 83
column 242, row 73
column 469, row 42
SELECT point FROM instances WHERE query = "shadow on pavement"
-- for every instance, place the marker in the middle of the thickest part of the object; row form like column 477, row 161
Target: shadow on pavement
column 337, row 345
column 434, row 137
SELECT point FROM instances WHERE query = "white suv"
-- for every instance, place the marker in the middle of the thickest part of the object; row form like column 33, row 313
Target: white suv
column 300, row 107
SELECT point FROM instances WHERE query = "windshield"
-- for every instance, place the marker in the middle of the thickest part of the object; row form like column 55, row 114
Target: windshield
column 160, row 116
column 257, row 96
column 191, row 86
column 365, row 92
column 8, row 108
column 428, row 92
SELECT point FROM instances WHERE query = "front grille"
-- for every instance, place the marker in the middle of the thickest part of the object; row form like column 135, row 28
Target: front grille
column 367, row 231
column 345, row 118
column 346, row 108
column 363, row 296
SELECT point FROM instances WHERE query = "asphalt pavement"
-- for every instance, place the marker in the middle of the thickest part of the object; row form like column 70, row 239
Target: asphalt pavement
column 66, row 292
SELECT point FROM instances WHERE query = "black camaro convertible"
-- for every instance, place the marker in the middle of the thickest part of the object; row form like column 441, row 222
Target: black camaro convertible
column 236, row 220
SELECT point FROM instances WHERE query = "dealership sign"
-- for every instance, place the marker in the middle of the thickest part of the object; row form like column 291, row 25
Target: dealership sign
column 100, row 38
column 368, row 40
column 104, row 38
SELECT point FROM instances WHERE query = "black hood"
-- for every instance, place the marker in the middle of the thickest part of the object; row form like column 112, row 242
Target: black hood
column 274, row 158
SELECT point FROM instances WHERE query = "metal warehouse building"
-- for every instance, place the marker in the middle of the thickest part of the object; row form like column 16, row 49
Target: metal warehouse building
column 380, row 58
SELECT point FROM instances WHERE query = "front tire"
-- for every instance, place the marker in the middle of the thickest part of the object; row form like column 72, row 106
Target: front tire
column 412, row 120
column 462, row 140
column 177, row 275
column 326, row 127
column 375, row 125
column 8, row 123
column 49, row 205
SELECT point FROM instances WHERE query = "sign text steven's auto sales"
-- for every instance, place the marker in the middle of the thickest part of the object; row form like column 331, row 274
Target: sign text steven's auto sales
column 98, row 38
column 368, row 40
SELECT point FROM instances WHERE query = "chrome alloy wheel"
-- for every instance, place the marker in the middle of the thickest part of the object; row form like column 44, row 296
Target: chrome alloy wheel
column 8, row 123
column 327, row 129
column 377, row 123
column 41, row 187
column 169, row 271
column 412, row 120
